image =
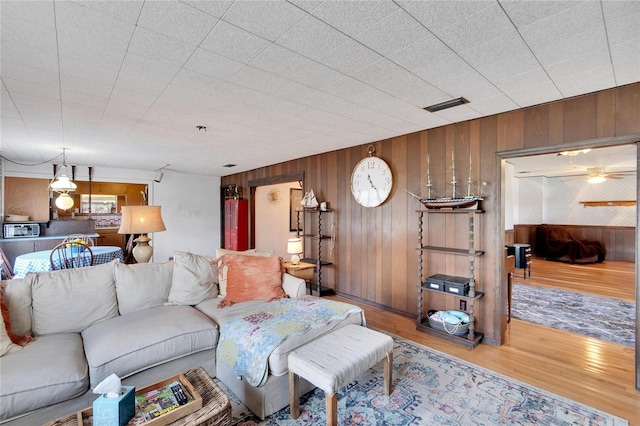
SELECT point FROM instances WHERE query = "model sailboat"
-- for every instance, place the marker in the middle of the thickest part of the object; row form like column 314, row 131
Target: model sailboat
column 309, row 201
column 468, row 202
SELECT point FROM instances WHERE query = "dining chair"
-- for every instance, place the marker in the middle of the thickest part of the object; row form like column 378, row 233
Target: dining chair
column 85, row 238
column 68, row 255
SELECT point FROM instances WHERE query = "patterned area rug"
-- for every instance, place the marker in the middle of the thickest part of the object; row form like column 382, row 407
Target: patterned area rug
column 431, row 388
column 606, row 319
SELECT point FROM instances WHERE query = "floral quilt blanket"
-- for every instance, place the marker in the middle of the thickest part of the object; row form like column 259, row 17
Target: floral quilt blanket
column 246, row 342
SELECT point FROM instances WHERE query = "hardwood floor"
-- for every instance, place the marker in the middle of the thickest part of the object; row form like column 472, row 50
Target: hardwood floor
column 594, row 372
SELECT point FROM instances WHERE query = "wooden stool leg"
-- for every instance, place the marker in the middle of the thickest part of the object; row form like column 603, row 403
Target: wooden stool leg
column 388, row 373
column 294, row 400
column 332, row 409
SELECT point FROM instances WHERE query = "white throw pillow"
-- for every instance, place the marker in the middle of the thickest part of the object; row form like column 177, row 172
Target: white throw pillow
column 194, row 279
column 143, row 285
column 6, row 345
column 222, row 270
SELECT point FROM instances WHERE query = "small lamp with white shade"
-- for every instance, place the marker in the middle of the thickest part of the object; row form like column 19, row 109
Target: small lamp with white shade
column 141, row 220
column 294, row 248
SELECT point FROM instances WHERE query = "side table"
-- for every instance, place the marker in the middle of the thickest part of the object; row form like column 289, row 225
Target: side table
column 301, row 270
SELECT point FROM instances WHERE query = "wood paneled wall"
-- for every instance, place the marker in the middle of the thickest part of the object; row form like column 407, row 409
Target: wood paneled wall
column 375, row 255
column 619, row 241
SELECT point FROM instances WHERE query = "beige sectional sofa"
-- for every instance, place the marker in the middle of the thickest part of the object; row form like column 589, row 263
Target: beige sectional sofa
column 143, row 322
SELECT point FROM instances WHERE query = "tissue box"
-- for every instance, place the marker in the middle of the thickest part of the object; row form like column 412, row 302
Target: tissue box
column 115, row 411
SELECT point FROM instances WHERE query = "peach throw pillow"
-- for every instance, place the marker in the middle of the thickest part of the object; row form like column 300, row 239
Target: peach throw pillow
column 252, row 278
column 18, row 340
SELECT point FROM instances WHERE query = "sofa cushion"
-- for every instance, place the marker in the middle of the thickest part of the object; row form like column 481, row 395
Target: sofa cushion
column 17, row 295
column 250, row 278
column 195, row 279
column 222, row 270
column 142, row 339
column 50, row 370
column 70, row 300
column 142, row 285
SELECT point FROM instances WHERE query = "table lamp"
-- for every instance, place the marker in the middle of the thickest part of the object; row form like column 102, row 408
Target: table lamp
column 141, row 220
column 294, row 247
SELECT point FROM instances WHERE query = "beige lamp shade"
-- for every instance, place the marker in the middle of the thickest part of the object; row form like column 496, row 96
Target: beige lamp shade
column 294, row 247
column 141, row 220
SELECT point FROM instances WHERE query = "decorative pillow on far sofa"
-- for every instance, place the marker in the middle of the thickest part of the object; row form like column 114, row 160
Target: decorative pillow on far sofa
column 194, row 279
column 251, row 278
column 222, row 269
column 6, row 345
column 9, row 340
column 142, row 285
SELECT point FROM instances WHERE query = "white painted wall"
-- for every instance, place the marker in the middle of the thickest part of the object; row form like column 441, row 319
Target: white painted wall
column 272, row 219
column 558, row 201
column 190, row 204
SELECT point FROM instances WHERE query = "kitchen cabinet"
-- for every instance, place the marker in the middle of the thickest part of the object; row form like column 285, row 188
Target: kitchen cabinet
column 25, row 196
column 110, row 237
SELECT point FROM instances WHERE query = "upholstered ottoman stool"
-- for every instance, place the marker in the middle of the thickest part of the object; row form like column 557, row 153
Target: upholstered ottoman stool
column 336, row 359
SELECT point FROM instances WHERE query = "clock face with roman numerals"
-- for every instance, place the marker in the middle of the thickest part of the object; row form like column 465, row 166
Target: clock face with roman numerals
column 371, row 181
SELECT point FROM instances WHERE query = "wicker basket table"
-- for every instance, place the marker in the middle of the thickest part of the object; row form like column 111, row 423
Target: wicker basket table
column 215, row 411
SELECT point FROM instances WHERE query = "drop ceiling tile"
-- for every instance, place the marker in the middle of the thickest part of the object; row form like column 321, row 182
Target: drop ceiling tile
column 149, row 68
column 215, row 8
column 499, row 49
column 280, row 61
column 626, row 62
column 266, row 19
column 191, row 80
column 622, row 29
column 176, row 20
column 520, row 81
column 393, row 33
column 436, row 15
column 128, row 11
column 567, row 47
column 140, row 83
column 379, row 72
column 535, row 94
column 524, row 13
column 350, row 57
column 459, row 113
column 579, row 64
column 257, row 79
column 208, row 63
column 31, row 24
column 82, row 30
column 494, row 105
column 133, row 96
column 510, row 66
column 346, row 87
column 150, row 44
column 88, row 71
column 307, row 5
column 480, row 28
column 35, row 75
column 234, row 42
column 353, row 17
column 597, row 78
column 28, row 88
column 312, row 38
column 317, row 76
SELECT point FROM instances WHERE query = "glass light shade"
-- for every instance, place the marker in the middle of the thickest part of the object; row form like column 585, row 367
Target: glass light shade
column 64, row 201
column 61, row 182
column 596, row 179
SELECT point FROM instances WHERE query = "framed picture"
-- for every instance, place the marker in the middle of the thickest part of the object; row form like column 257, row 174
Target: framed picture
column 295, row 198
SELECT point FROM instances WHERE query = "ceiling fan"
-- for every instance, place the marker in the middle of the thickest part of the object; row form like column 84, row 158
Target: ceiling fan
column 599, row 175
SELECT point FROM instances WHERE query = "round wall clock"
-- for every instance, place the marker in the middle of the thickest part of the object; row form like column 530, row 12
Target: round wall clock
column 371, row 180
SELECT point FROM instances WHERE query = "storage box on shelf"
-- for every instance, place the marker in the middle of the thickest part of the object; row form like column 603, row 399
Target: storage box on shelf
column 463, row 289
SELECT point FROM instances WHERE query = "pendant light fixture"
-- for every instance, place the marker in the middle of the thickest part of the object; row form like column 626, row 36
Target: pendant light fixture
column 62, row 184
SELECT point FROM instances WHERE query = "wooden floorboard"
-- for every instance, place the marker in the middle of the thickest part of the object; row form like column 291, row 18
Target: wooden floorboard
column 591, row 371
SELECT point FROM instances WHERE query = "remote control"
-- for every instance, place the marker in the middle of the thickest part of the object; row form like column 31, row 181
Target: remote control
column 181, row 398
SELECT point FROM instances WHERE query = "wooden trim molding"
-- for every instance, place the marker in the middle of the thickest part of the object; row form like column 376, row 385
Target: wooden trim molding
column 609, row 203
